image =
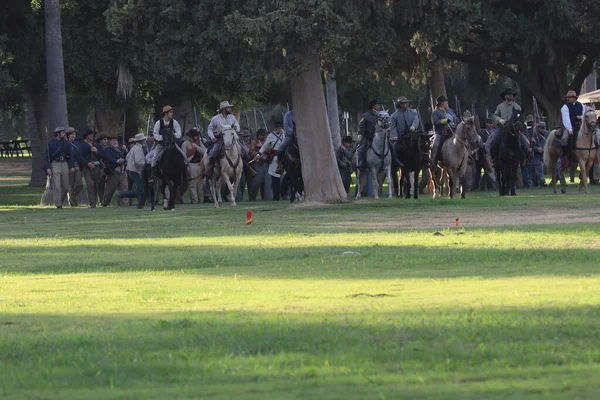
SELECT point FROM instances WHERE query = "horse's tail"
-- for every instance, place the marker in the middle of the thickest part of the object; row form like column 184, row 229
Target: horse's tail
column 547, row 148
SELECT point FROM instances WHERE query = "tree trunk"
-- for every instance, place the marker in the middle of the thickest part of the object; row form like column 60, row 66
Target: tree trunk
column 37, row 118
column 438, row 84
column 322, row 179
column 55, row 69
column 108, row 119
column 333, row 112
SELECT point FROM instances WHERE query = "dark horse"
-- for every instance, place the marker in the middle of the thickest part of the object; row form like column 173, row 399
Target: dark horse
column 172, row 174
column 293, row 168
column 413, row 152
column 510, row 155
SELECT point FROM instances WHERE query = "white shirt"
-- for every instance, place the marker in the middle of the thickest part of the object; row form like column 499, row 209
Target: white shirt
column 272, row 143
column 135, row 159
column 566, row 118
column 218, row 121
column 176, row 130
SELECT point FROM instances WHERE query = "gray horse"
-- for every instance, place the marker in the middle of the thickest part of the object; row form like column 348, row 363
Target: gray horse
column 455, row 157
column 379, row 157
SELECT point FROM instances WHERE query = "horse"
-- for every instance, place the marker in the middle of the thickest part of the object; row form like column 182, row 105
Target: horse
column 455, row 156
column 414, row 155
column 172, row 173
column 509, row 155
column 228, row 169
column 379, row 157
column 293, row 168
column 584, row 152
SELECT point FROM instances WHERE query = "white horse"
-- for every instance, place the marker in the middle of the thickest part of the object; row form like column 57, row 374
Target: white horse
column 379, row 157
column 228, row 169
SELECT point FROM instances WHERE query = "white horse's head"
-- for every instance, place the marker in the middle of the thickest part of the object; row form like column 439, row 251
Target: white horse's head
column 590, row 121
column 384, row 121
column 229, row 135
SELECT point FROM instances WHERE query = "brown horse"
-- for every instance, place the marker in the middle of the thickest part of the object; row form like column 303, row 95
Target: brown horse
column 584, row 152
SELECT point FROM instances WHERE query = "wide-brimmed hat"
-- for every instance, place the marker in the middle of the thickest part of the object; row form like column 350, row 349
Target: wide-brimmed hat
column 571, row 93
column 102, row 136
column 224, row 104
column 542, row 125
column 245, row 133
column 373, row 103
column 193, row 132
column 59, row 129
column 402, row 99
column 138, row 138
column 529, row 118
column 489, row 121
column 506, row 92
column 261, row 131
column 441, row 99
column 348, row 139
column 167, row 108
column 88, row 132
column 71, row 130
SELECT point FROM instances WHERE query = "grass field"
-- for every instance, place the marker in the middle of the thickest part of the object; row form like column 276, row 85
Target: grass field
column 123, row 304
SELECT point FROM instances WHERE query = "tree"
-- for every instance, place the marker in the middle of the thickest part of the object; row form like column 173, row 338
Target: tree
column 246, row 46
column 55, row 67
column 546, row 46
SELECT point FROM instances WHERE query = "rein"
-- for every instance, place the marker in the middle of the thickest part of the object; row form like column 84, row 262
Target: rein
column 239, row 157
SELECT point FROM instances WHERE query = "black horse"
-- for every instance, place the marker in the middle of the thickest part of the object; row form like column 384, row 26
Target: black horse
column 293, row 168
column 510, row 154
column 413, row 151
column 172, row 173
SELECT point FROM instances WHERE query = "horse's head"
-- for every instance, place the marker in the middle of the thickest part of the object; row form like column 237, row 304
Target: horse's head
column 516, row 124
column 467, row 130
column 590, row 120
column 384, row 121
column 229, row 135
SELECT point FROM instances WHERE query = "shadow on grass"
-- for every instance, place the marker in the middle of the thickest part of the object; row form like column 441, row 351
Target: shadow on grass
column 316, row 261
column 458, row 353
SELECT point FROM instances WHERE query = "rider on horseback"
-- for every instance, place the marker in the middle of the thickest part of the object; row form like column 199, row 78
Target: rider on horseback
column 366, row 129
column 166, row 130
column 445, row 121
column 572, row 114
column 225, row 117
column 504, row 113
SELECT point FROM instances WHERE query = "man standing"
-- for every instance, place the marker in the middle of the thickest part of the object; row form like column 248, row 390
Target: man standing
column 572, row 114
column 89, row 166
column 444, row 122
column 260, row 166
column 484, row 161
column 225, row 117
column 344, row 156
column 268, row 152
column 504, row 112
column 538, row 141
column 75, row 178
column 366, row 129
column 115, row 166
column 58, row 162
column 194, row 150
column 135, row 170
column 166, row 131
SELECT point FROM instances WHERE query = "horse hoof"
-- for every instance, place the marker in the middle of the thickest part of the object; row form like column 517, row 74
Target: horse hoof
column 563, row 191
column 233, row 205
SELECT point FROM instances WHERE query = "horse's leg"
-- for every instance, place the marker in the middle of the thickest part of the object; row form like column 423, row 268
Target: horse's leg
column 552, row 167
column 584, row 168
column 375, row 179
column 513, row 180
column 563, row 181
column 172, row 199
column 390, row 182
column 416, row 183
column 213, row 191
column 358, row 183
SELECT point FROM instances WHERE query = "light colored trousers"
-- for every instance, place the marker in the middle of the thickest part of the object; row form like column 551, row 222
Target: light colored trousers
column 196, row 184
column 60, row 181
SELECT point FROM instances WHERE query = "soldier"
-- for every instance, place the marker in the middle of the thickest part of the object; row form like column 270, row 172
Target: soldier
column 444, row 121
column 135, row 169
column 114, row 159
column 538, row 141
column 260, row 166
column 90, row 166
column 75, row 178
column 246, row 136
column 166, row 131
column 404, row 119
column 484, row 160
column 503, row 113
column 267, row 152
column 366, row 129
column 101, row 146
column 149, row 144
column 344, row 156
column 572, row 114
column 225, row 117
column 59, row 160
column 194, row 150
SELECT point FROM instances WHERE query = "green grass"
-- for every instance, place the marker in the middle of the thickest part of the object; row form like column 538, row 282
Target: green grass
column 120, row 304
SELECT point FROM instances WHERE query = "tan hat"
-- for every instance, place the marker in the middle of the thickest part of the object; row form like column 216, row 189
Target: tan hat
column 102, row 136
column 167, row 108
column 571, row 93
column 402, row 99
column 137, row 138
column 224, row 104
column 71, row 130
column 529, row 118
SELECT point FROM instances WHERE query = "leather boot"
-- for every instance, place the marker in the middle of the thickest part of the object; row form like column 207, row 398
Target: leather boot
column 211, row 166
column 248, row 171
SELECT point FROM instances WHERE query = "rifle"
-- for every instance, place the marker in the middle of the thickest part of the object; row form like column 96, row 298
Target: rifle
column 263, row 118
column 458, row 110
column 148, row 124
column 536, row 121
column 195, row 118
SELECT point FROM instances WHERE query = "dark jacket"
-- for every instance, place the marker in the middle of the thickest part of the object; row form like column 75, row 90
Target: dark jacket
column 59, row 150
column 366, row 128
